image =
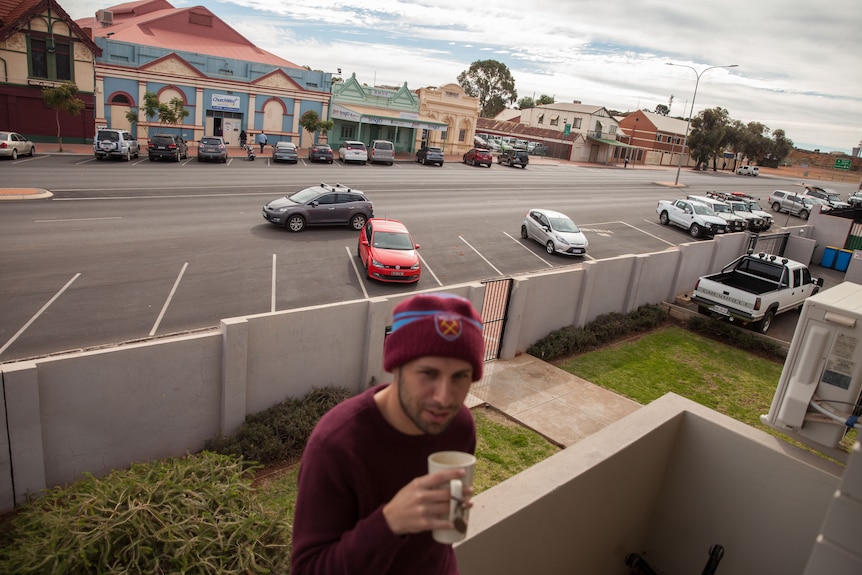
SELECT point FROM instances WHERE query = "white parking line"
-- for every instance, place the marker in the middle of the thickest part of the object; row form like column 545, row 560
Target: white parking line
column 647, row 233
column 272, row 307
column 480, row 255
column 428, row 269
column 77, row 220
column 168, row 301
column 359, row 276
column 518, row 241
column 38, row 313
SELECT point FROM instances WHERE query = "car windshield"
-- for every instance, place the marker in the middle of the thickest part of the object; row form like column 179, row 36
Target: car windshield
column 721, row 208
column 740, row 207
column 702, row 210
column 755, row 206
column 564, row 225
column 305, row 196
column 392, row 241
column 834, row 197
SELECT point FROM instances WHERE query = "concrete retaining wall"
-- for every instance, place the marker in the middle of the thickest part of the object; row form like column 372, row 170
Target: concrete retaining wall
column 101, row 410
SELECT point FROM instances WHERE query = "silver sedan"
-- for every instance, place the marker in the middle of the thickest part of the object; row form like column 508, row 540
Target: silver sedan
column 555, row 231
column 13, row 144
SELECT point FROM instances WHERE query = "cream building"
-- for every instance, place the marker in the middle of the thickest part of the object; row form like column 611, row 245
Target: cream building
column 451, row 105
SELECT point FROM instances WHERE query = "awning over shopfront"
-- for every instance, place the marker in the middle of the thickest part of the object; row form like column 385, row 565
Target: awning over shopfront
column 612, row 142
column 384, row 117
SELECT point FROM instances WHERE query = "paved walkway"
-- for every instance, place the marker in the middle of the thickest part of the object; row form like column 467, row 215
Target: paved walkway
column 561, row 406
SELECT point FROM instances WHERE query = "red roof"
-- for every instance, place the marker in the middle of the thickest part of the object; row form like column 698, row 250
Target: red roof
column 17, row 14
column 157, row 23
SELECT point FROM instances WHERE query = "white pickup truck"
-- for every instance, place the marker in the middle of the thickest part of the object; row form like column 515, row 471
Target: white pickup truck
column 753, row 289
column 693, row 216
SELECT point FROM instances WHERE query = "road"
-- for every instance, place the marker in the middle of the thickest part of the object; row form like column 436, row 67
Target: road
column 129, row 251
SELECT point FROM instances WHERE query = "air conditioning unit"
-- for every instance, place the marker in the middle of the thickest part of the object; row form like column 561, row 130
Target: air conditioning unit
column 104, row 17
column 818, row 396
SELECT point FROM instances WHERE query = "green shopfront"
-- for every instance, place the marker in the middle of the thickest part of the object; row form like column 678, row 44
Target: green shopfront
column 365, row 114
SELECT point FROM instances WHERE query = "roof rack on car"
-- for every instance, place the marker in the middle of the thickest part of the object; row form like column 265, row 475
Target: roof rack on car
column 332, row 188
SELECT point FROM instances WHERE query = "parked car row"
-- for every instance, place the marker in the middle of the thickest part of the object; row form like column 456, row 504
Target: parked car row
column 385, row 247
column 13, row 144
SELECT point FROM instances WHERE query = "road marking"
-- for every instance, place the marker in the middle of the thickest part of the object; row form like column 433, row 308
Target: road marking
column 647, row 233
column 38, row 313
column 480, row 255
column 359, row 276
column 428, row 268
column 272, row 307
column 77, row 220
column 517, row 241
column 168, row 301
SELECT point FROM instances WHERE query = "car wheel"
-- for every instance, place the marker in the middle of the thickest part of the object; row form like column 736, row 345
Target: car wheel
column 524, row 234
column 549, row 247
column 663, row 219
column 179, row 156
column 695, row 231
column 14, row 153
column 474, row 162
column 200, row 159
column 152, row 158
column 128, row 155
column 763, row 325
column 776, row 207
column 224, row 160
column 803, row 214
column 499, row 161
column 330, row 161
column 424, row 163
column 296, row 223
column 702, row 310
column 523, row 166
column 357, row 222
column 32, row 151
column 464, row 159
column 99, row 158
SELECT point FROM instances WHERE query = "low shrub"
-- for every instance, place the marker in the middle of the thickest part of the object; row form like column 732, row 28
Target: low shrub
column 196, row 514
column 280, row 432
column 602, row 330
column 733, row 335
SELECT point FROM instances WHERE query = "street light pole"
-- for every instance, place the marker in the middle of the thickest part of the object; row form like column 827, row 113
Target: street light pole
column 691, row 110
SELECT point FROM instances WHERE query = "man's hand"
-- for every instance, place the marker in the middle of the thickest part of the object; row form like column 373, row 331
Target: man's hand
column 420, row 504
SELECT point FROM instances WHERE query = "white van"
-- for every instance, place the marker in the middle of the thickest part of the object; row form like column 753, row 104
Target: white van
column 748, row 170
column 381, row 151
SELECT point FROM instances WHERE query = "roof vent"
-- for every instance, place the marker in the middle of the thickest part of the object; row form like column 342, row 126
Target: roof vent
column 104, row 17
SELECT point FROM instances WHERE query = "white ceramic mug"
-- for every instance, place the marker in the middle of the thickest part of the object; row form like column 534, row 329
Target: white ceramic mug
column 459, row 515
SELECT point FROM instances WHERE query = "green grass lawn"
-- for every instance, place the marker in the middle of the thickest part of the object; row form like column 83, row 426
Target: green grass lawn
column 718, row 376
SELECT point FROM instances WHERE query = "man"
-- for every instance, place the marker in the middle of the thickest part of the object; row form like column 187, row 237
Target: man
column 261, row 139
column 366, row 503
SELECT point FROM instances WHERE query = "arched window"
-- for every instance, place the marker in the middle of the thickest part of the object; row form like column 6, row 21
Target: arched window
column 121, row 99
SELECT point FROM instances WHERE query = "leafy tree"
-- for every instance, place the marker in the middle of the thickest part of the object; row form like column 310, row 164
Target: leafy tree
column 526, row 102
column 781, row 145
column 544, row 99
column 63, row 97
column 171, row 113
column 311, row 122
column 662, row 110
column 708, row 135
column 492, row 83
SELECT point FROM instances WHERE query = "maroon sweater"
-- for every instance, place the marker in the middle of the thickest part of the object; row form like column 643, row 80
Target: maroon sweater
column 353, row 464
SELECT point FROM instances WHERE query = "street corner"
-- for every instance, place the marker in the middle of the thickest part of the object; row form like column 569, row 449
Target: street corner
column 24, row 194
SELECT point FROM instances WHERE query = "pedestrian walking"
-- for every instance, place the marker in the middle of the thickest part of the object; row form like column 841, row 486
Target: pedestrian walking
column 261, row 139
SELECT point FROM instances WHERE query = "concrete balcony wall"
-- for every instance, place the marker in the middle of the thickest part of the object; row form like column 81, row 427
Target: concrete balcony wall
column 667, row 482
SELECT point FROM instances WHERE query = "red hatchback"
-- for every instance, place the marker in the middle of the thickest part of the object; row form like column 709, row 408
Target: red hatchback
column 478, row 157
column 387, row 251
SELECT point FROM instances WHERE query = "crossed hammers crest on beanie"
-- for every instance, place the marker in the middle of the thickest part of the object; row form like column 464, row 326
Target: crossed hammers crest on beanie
column 441, row 325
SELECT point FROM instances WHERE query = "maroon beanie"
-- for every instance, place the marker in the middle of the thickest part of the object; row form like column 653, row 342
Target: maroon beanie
column 442, row 325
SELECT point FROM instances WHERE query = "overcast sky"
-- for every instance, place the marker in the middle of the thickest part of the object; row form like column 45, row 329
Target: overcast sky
column 799, row 66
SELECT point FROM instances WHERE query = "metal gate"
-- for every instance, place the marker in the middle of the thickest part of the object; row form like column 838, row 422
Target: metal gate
column 495, row 310
column 769, row 243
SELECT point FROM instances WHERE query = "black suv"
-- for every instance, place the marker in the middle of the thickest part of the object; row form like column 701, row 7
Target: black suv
column 167, row 146
column 514, row 158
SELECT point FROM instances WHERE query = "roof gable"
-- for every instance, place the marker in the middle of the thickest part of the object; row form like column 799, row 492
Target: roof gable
column 17, row 14
column 173, row 65
column 277, row 79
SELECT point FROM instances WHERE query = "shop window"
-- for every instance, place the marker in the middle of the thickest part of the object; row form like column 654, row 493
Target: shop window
column 346, row 132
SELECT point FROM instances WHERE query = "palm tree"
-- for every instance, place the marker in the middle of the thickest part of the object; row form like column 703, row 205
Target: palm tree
column 63, row 97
